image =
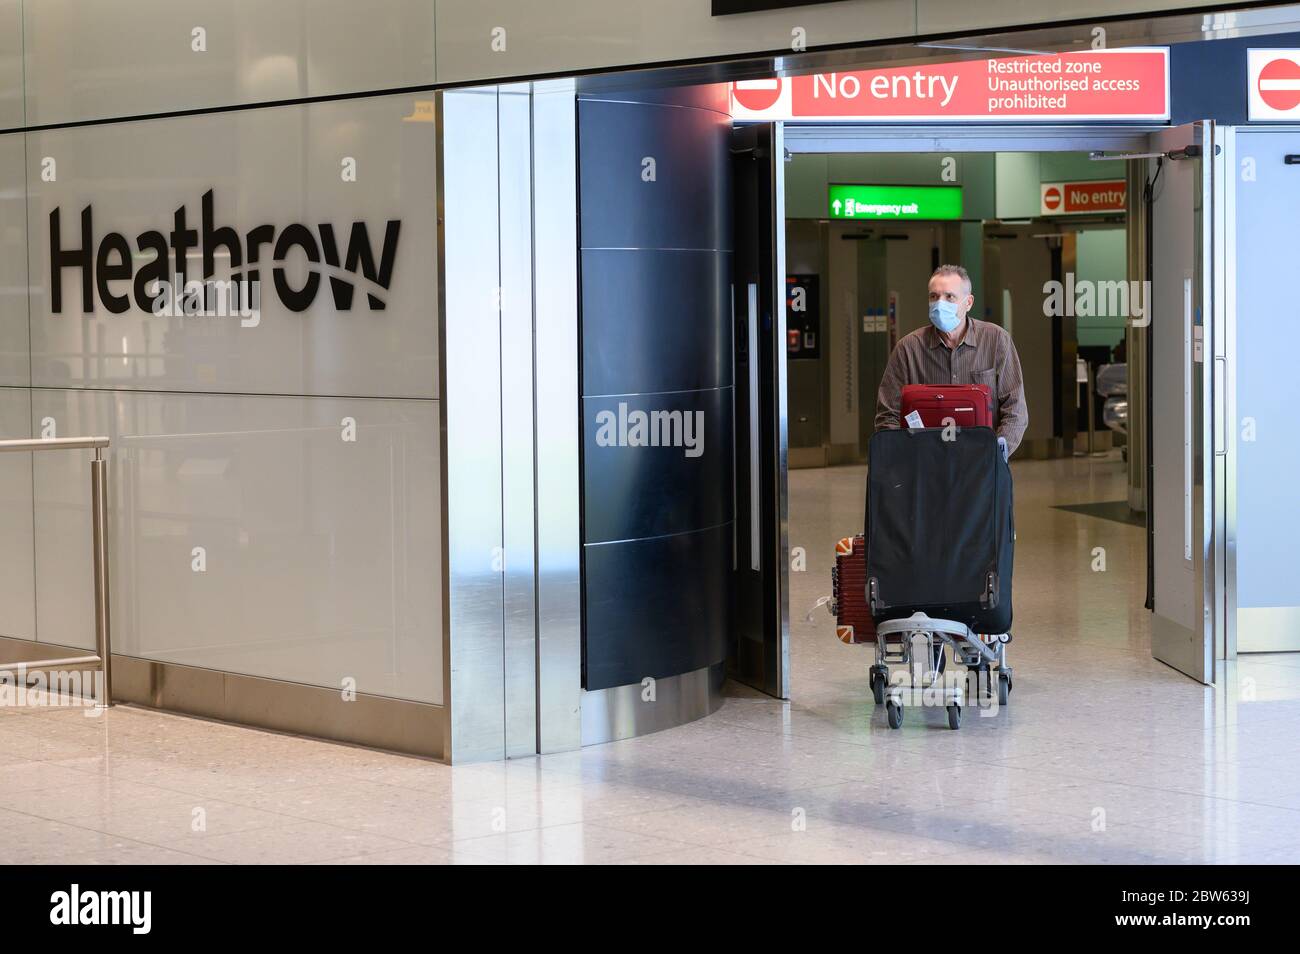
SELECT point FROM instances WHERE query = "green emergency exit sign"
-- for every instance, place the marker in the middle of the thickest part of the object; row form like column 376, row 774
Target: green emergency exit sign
column 894, row 202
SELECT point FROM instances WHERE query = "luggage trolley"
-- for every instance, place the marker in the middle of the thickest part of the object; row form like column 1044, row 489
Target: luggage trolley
column 895, row 640
column 940, row 541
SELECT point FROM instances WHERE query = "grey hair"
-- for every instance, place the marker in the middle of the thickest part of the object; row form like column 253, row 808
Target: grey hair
column 954, row 270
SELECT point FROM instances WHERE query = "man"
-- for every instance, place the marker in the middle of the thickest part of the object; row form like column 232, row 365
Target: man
column 957, row 349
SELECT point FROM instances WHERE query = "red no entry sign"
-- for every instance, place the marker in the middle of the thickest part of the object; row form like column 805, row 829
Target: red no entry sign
column 1085, row 84
column 1074, row 198
column 757, row 94
column 1273, row 78
column 1279, row 84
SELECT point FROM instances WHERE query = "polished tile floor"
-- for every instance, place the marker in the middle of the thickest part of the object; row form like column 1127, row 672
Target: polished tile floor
column 1103, row 756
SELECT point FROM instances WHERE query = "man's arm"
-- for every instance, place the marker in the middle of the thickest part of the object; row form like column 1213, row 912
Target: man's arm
column 890, row 395
column 1013, row 413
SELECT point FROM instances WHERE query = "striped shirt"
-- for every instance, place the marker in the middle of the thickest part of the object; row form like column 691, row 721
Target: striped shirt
column 986, row 355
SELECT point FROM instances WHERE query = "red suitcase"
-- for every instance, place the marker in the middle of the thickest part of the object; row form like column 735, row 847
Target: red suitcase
column 853, row 622
column 969, row 405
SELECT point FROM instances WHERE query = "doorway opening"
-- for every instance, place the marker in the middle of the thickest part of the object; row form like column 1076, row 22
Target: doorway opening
column 1076, row 242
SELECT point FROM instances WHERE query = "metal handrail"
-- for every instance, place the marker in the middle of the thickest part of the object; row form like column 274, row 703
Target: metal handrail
column 99, row 541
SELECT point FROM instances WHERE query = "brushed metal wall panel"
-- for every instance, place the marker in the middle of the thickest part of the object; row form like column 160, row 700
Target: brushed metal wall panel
column 515, row 210
column 624, row 712
column 410, row 727
column 264, row 167
column 655, row 320
column 472, row 381
column 687, row 203
column 656, row 607
column 632, row 492
column 555, row 262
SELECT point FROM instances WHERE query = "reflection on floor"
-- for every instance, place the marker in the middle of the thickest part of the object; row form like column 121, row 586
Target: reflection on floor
column 1103, row 755
column 1108, row 510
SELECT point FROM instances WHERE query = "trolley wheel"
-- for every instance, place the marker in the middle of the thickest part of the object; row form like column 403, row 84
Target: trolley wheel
column 954, row 717
column 895, row 713
column 879, row 680
column 1004, row 688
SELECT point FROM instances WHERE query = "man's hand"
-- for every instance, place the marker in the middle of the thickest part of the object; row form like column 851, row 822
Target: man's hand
column 1002, row 445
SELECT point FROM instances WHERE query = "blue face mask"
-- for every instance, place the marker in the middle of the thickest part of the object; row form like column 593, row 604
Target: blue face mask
column 943, row 315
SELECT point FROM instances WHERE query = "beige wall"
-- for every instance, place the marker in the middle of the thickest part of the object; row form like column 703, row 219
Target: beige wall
column 70, row 60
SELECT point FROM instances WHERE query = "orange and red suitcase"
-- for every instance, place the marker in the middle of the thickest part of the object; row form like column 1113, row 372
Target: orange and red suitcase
column 853, row 622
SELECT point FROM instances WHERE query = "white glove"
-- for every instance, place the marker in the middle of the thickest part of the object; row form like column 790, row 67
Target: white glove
column 1002, row 444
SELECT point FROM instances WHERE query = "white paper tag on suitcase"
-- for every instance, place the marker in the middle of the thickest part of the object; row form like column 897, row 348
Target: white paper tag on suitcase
column 914, row 420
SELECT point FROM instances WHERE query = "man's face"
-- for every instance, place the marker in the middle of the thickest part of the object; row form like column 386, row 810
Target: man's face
column 949, row 288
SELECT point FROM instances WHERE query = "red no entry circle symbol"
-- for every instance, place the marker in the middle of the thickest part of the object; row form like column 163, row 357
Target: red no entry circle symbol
column 757, row 94
column 1052, row 197
column 1279, row 84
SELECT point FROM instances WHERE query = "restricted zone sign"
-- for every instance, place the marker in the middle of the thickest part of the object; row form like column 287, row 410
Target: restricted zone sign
column 1091, row 84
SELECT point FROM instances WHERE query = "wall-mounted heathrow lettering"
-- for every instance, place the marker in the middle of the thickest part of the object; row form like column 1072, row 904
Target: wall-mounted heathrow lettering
column 162, row 285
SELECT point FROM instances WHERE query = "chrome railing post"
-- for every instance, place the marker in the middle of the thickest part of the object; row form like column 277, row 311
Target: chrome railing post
column 99, row 535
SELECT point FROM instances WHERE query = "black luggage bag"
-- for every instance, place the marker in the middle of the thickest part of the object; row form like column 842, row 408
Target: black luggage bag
column 940, row 529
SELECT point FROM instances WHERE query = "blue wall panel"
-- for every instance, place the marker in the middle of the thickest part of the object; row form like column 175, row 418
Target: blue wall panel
column 655, row 213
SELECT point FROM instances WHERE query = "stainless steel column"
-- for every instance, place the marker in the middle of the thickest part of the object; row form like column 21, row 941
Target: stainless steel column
column 518, row 463
column 510, row 312
column 555, row 313
column 1138, row 340
column 474, row 664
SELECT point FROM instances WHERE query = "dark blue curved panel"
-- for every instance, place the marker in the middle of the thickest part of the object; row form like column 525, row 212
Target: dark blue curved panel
column 632, row 492
column 655, row 321
column 656, row 337
column 656, row 607
column 688, row 203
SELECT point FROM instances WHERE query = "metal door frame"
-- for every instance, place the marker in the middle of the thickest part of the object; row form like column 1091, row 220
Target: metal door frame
column 1203, row 515
column 1225, row 390
column 772, row 673
column 969, row 137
